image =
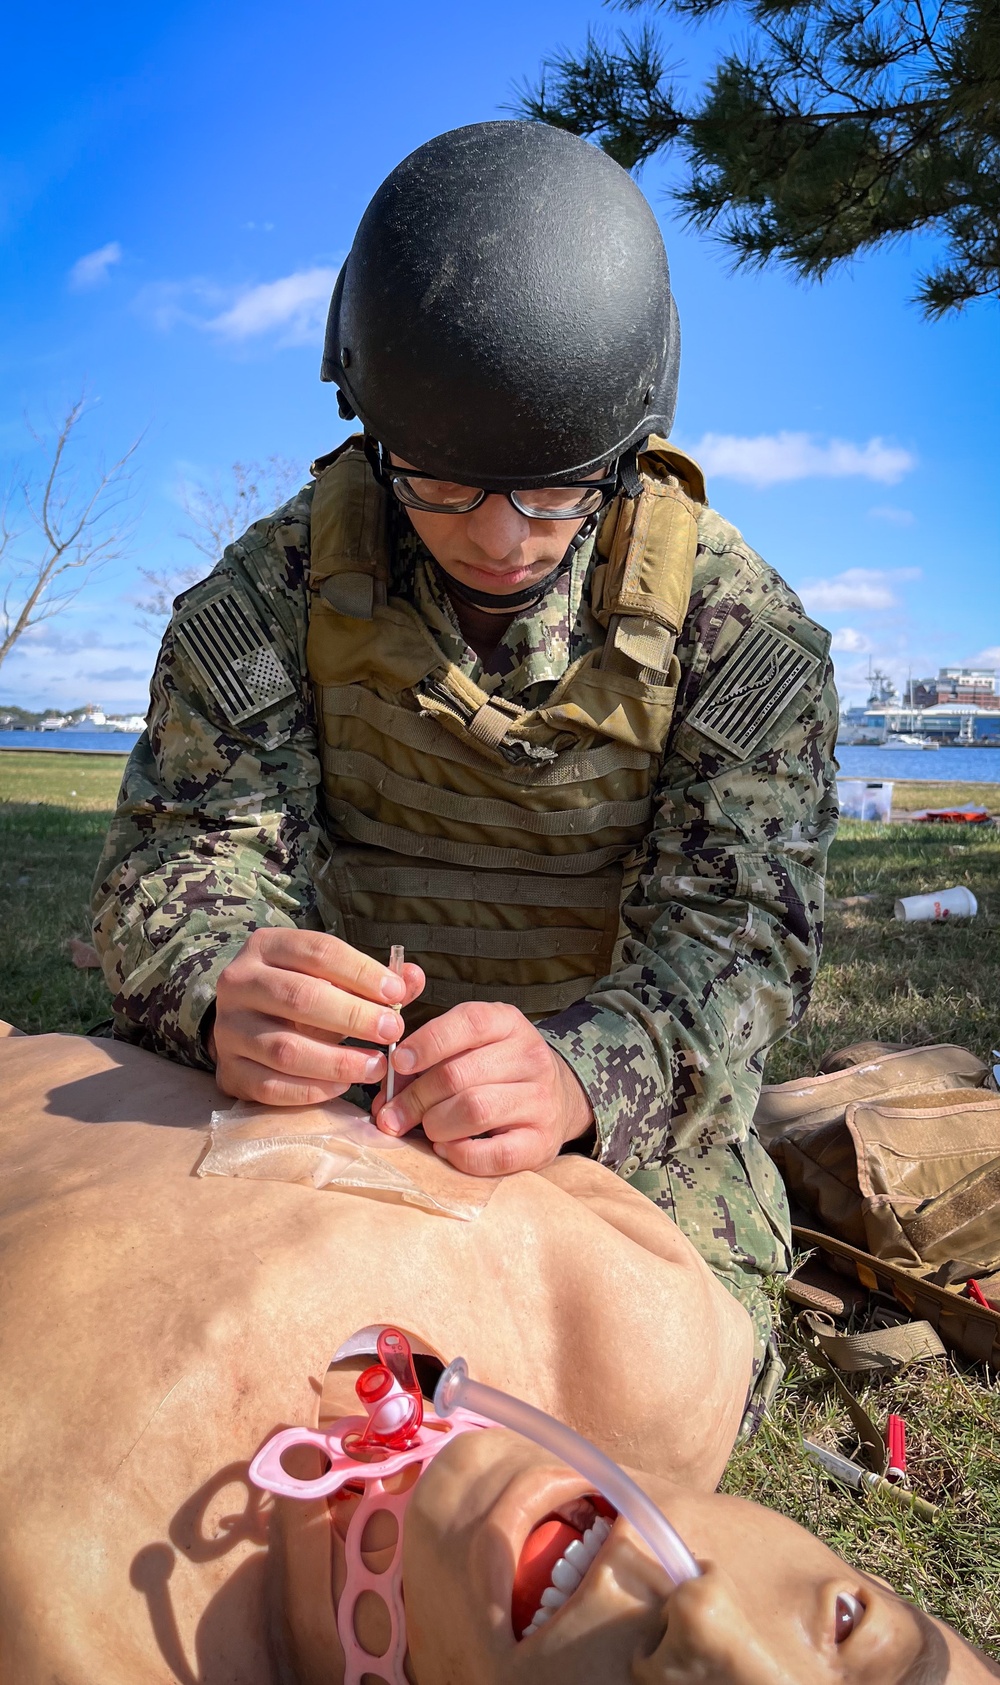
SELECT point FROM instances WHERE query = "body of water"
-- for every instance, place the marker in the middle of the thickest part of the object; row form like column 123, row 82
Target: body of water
column 959, row 766
column 85, row 742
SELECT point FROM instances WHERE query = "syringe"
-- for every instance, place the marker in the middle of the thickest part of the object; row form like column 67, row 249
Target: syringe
column 396, row 957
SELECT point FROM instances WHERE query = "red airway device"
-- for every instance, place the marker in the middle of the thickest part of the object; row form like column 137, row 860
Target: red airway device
column 542, row 1550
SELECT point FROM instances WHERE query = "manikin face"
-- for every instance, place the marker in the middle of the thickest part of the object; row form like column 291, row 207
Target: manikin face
column 494, row 548
column 764, row 1613
column 768, row 1610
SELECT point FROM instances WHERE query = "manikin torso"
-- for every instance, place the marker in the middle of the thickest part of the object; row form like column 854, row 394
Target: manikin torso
column 156, row 1328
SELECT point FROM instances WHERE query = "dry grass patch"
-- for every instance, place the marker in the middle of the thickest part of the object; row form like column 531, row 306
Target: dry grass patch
column 914, row 983
column 913, row 797
column 952, row 1415
column 922, row 983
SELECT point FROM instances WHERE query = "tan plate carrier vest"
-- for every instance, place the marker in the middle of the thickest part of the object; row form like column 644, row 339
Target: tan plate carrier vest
column 495, row 844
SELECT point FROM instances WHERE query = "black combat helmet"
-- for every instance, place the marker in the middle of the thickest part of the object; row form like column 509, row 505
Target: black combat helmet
column 504, row 316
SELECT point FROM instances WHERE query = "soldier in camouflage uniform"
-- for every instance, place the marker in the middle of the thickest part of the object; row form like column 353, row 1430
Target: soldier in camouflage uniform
column 223, row 825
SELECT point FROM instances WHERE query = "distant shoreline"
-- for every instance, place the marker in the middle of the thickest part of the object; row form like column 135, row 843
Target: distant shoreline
column 905, row 767
column 57, row 749
column 70, row 740
column 122, row 754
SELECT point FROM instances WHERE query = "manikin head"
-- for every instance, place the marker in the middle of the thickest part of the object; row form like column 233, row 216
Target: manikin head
column 773, row 1606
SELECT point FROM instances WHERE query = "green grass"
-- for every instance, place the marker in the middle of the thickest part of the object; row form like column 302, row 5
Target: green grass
column 883, row 980
column 910, row 798
column 62, row 780
column 952, row 1415
column 54, row 812
column 47, row 859
column 879, row 980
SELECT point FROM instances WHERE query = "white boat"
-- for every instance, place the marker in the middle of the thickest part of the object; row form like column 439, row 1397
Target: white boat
column 909, row 740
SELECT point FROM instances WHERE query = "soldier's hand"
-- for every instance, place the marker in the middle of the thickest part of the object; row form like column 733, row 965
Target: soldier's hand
column 491, row 1093
column 284, row 1007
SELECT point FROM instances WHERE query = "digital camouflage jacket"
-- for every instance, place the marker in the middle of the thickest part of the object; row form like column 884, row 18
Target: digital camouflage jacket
column 217, row 830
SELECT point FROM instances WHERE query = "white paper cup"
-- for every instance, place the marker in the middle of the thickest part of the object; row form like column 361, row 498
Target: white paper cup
column 941, row 904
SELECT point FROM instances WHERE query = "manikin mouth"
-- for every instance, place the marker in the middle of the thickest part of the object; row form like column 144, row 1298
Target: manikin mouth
column 556, row 1557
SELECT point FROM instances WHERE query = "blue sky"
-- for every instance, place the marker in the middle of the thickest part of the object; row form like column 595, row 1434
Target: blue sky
column 178, row 188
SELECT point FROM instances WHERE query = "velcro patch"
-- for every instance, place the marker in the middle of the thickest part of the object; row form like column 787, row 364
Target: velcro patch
column 231, row 653
column 763, row 673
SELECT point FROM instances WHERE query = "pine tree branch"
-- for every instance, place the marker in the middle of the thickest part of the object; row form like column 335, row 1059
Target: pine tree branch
column 844, row 124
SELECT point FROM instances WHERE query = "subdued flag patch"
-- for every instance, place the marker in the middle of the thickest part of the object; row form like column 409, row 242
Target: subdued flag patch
column 763, row 674
column 227, row 646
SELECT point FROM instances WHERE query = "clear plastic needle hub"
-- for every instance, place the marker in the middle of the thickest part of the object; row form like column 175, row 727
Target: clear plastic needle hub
column 396, row 957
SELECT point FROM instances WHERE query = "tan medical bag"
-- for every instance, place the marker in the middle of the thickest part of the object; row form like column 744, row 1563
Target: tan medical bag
column 893, row 1160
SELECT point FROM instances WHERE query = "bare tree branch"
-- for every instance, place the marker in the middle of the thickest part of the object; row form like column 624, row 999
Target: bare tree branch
column 219, row 511
column 222, row 510
column 70, row 528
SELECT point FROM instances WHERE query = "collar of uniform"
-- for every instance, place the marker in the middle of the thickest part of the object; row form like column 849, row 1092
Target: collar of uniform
column 537, row 646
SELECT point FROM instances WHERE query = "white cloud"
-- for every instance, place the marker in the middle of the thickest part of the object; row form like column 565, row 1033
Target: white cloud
column 63, row 664
column 93, row 269
column 166, row 304
column 986, row 658
column 116, row 675
column 296, row 303
column 895, row 517
column 849, row 641
column 293, row 307
column 857, row 588
column 772, row 459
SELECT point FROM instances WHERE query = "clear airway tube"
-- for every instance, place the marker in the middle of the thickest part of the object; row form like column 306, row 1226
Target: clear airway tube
column 455, row 1389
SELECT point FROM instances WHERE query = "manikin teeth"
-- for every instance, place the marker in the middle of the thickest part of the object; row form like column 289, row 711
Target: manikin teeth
column 578, row 1556
column 568, row 1572
column 565, row 1577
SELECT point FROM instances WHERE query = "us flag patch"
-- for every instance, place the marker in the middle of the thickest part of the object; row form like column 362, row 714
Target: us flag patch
column 764, row 672
column 223, row 640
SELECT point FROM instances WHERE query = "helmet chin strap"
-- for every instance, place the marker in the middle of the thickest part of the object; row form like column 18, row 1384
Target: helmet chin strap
column 489, row 602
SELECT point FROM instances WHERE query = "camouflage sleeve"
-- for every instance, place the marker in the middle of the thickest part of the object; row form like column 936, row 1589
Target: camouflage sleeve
column 216, row 820
column 725, row 926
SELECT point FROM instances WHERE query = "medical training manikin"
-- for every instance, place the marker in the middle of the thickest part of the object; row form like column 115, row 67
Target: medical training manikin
column 161, row 1328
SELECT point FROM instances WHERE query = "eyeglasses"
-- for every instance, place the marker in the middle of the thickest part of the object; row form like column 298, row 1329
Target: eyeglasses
column 541, row 503
column 569, row 502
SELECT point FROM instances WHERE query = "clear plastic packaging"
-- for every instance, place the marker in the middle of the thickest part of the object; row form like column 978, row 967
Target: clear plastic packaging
column 335, row 1145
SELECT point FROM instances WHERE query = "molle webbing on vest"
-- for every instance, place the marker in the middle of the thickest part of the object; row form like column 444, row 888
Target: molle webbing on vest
column 417, row 731
column 354, row 767
column 377, row 833
column 533, row 940
column 497, row 844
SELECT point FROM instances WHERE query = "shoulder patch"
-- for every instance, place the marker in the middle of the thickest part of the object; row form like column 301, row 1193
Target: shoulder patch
column 231, row 653
column 763, row 673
